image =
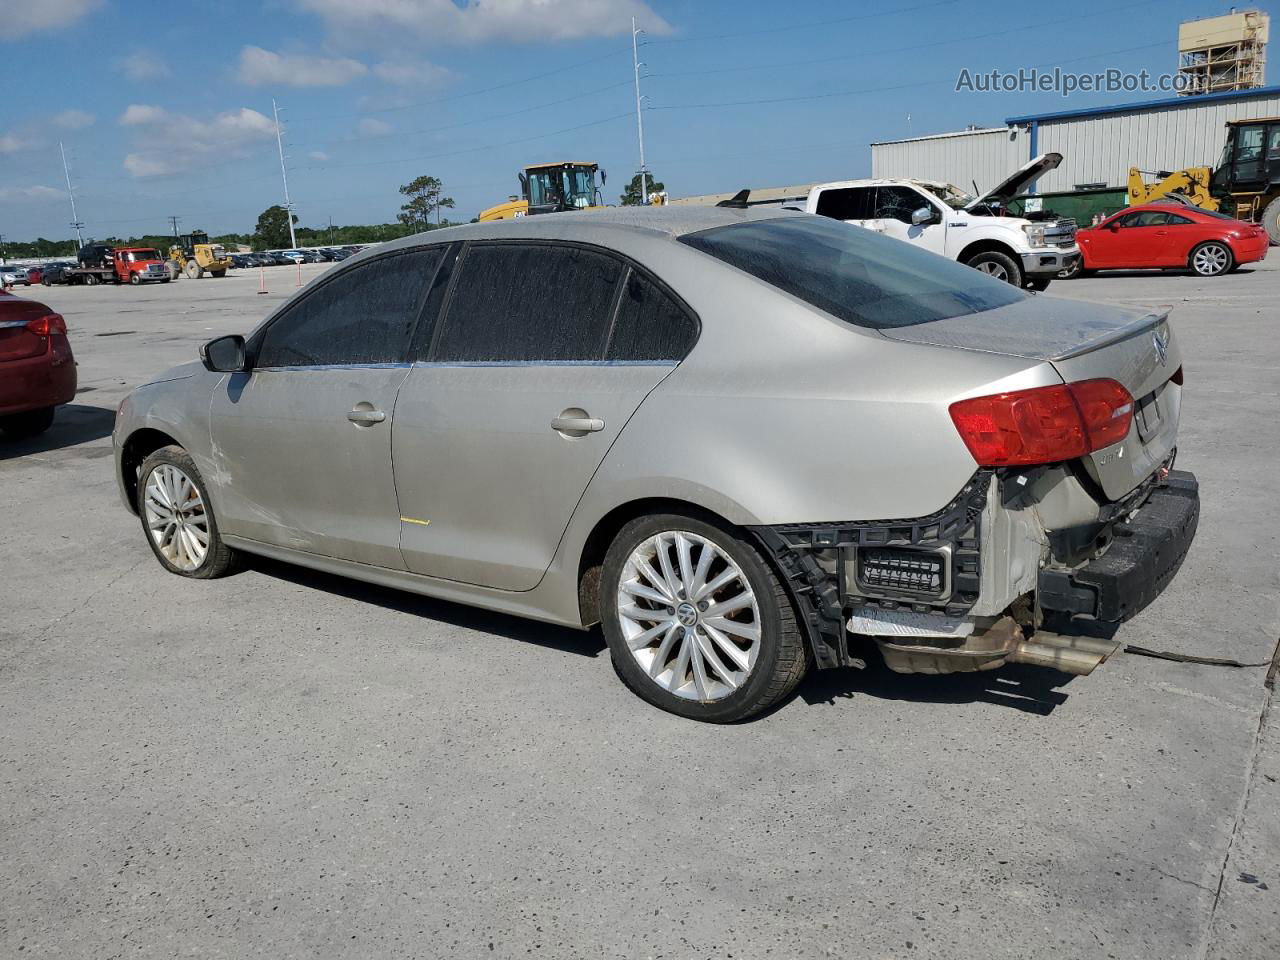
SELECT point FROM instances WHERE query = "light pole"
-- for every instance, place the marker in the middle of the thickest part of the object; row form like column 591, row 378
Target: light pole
column 284, row 175
column 635, row 63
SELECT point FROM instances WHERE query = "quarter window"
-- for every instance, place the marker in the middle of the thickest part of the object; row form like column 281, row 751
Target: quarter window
column 650, row 324
column 846, row 203
column 363, row 315
column 529, row 302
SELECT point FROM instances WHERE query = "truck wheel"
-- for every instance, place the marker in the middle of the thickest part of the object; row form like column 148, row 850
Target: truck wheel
column 135, row 280
column 1038, row 284
column 172, row 269
column 1271, row 221
column 92, row 279
column 998, row 265
column 193, row 270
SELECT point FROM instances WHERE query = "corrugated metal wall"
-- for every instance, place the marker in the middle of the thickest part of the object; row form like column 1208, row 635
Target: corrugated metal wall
column 1102, row 149
column 985, row 156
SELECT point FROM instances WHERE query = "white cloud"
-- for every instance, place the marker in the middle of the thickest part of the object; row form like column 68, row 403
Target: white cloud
column 21, row 19
column 18, row 194
column 72, row 119
column 480, row 21
column 167, row 142
column 413, row 73
column 370, row 127
column 12, row 143
column 259, row 68
column 318, row 155
column 142, row 65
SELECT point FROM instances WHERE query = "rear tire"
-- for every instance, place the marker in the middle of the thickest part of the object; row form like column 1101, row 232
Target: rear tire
column 1271, row 221
column 680, row 654
column 998, row 265
column 1211, row 259
column 31, row 423
column 177, row 518
column 193, row 270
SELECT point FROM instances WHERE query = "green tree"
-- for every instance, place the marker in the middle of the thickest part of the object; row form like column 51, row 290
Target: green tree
column 631, row 194
column 273, row 228
column 425, row 198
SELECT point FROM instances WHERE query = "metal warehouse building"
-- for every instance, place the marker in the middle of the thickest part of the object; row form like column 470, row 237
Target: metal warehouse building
column 1098, row 145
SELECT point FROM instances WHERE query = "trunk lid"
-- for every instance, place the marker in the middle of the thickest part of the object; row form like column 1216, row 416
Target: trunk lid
column 1085, row 341
column 1018, row 181
column 16, row 341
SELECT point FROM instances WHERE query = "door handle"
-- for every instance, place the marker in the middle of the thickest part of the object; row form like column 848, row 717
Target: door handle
column 362, row 417
column 1162, row 233
column 578, row 425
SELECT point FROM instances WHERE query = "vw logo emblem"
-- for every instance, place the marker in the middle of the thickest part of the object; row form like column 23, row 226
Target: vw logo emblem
column 687, row 614
column 1160, row 339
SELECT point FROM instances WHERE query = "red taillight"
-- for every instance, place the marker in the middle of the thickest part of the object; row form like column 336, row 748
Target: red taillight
column 48, row 325
column 1044, row 424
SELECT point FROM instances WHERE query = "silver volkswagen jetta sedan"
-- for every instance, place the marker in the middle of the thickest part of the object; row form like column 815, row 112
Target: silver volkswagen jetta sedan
column 745, row 442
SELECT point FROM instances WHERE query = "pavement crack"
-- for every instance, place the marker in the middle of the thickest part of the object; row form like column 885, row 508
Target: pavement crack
column 93, row 595
column 1190, row 883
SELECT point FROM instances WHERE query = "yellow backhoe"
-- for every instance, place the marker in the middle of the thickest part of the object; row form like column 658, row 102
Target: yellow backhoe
column 195, row 256
column 1190, row 185
column 551, row 188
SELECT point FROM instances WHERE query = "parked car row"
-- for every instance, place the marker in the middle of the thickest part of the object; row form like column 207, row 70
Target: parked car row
column 280, row 258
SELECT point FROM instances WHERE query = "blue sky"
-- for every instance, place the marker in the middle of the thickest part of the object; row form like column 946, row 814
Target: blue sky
column 167, row 114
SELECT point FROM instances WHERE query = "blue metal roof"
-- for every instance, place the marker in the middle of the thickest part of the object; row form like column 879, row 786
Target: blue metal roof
column 1146, row 105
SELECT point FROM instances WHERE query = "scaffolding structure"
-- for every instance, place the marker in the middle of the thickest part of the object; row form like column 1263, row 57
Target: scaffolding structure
column 1220, row 54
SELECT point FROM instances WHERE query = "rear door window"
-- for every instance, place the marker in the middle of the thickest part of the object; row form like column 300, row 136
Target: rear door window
column 529, row 302
column 651, row 325
column 853, row 274
column 363, row 315
column 846, row 203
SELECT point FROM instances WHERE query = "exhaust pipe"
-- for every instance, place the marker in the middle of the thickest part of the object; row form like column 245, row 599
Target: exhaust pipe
column 1075, row 655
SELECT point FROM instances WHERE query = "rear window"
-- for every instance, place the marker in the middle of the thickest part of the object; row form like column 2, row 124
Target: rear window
column 852, row 273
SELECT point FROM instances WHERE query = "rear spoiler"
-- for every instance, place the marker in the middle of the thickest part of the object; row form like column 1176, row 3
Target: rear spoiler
column 1143, row 323
column 742, row 201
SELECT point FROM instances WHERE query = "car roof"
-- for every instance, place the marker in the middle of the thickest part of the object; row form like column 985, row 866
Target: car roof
column 598, row 226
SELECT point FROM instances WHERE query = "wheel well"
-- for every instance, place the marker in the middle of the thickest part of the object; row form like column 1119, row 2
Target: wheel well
column 986, row 246
column 140, row 445
column 603, row 534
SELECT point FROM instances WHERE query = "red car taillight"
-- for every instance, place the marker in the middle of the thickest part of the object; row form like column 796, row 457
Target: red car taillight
column 1044, row 424
column 48, row 325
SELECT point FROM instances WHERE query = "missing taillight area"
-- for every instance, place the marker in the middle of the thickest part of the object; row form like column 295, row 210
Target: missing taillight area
column 1044, row 424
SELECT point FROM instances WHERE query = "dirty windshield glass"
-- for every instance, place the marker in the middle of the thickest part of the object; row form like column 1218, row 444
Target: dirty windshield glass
column 852, row 273
column 133, row 256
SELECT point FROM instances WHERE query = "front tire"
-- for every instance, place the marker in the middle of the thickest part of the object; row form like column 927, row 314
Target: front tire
column 696, row 621
column 194, row 270
column 177, row 517
column 998, row 265
column 31, row 423
column 135, row 280
column 1211, row 259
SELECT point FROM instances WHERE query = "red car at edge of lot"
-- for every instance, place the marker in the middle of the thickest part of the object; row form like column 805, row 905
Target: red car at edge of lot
column 1167, row 235
column 37, row 369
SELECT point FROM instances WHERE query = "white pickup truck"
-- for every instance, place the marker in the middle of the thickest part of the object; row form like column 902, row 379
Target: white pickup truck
column 944, row 219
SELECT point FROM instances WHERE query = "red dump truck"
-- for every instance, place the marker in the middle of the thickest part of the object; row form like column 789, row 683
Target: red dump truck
column 101, row 263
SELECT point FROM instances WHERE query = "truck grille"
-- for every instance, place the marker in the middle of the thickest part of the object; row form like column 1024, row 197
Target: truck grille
column 1060, row 233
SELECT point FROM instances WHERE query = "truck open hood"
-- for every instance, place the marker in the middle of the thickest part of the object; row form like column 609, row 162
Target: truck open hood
column 1018, row 181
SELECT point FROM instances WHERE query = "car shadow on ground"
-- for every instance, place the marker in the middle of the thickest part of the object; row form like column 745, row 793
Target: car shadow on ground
column 587, row 643
column 73, row 424
column 1165, row 272
column 1020, row 687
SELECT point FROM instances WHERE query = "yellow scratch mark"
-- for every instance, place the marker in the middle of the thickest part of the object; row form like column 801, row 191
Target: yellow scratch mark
column 421, row 523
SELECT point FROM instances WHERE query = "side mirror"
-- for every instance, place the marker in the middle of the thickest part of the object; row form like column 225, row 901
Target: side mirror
column 224, row 355
column 923, row 215
column 1114, row 228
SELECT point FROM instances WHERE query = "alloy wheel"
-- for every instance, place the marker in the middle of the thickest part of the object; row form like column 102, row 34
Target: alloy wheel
column 1210, row 260
column 689, row 616
column 995, row 270
column 176, row 517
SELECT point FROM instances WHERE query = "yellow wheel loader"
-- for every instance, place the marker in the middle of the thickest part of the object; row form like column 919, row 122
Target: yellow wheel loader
column 195, row 256
column 551, row 188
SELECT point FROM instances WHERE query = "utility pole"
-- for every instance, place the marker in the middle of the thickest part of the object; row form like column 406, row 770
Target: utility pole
column 635, row 62
column 284, row 175
column 75, row 219
column 174, row 221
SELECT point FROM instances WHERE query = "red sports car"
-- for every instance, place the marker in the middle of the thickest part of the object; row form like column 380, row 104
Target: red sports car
column 37, row 370
column 1171, row 235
